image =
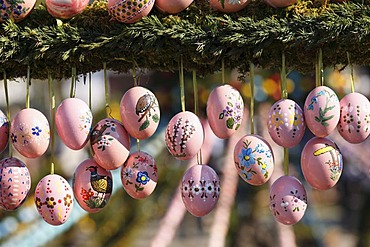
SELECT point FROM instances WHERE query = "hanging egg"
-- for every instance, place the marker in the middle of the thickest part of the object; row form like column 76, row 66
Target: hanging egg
column 228, row 6
column 280, row 3
column 322, row 111
column 288, row 200
column 225, row 108
column 73, row 120
column 54, row 199
column 30, row 133
column 140, row 113
column 354, row 122
column 286, row 123
column 129, row 11
column 65, row 9
column 4, row 131
column 321, row 163
column 184, row 135
column 200, row 189
column 254, row 159
column 16, row 10
column 172, row 6
column 92, row 186
column 139, row 175
column 15, row 183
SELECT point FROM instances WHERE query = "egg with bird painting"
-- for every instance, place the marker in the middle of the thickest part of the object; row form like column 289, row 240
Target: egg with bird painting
column 173, row 6
column 129, row 11
column 16, row 10
column 4, row 131
column 229, row 6
column 65, row 9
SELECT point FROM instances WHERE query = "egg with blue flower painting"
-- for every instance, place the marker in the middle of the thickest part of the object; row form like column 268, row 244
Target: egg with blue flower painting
column 4, row 131
column 16, row 10
column 254, row 159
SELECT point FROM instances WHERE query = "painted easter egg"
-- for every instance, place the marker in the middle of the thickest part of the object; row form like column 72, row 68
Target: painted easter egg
column 254, row 159
column 73, row 120
column 321, row 163
column 225, row 108
column 139, row 175
column 280, row 3
column 288, row 200
column 30, row 133
column 322, row 111
column 16, row 10
column 173, row 6
column 92, row 186
column 65, row 9
column 354, row 122
column 200, row 189
column 4, row 131
column 286, row 123
column 140, row 113
column 228, row 6
column 15, row 183
column 184, row 135
column 54, row 199
column 129, row 11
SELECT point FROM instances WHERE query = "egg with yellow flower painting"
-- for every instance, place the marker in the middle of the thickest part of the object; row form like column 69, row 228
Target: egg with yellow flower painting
column 286, row 124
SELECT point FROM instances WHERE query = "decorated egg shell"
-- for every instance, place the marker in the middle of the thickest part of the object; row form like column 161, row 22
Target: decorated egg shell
column 92, row 186
column 184, row 135
column 225, row 108
column 229, row 6
column 139, row 175
column 286, row 123
column 65, row 9
column 16, row 10
column 30, row 133
column 321, row 163
column 140, row 113
column 110, row 143
column 288, row 200
column 4, row 131
column 129, row 11
column 54, row 199
column 254, row 159
column 280, row 3
column 173, row 6
column 354, row 122
column 321, row 111
column 15, row 183
column 73, row 120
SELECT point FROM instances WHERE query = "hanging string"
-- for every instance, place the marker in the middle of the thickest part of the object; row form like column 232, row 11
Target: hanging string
column 52, row 112
column 106, row 88
column 72, row 92
column 182, row 87
column 284, row 95
column 251, row 78
column 90, row 92
column 28, row 82
column 134, row 75
column 196, row 110
column 286, row 161
column 8, row 112
column 223, row 71
column 319, row 70
column 352, row 73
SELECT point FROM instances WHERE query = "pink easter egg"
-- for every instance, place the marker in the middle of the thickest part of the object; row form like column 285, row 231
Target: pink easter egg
column 4, row 131
column 173, row 6
column 354, row 122
column 139, row 175
column 129, row 11
column 321, row 111
column 140, row 112
column 229, row 5
column 15, row 183
column 16, row 10
column 321, row 163
column 54, row 199
column 65, row 9
column 225, row 108
column 73, row 120
column 30, row 133
column 184, row 135
column 288, row 200
column 110, row 143
column 280, row 3
column 92, row 186
column 200, row 190
column 286, row 123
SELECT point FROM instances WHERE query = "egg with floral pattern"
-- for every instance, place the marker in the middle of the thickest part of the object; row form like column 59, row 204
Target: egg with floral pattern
column 73, row 120
column 139, row 175
column 16, row 10
column 200, row 189
column 288, row 200
column 4, row 131
column 228, row 6
column 280, row 3
column 129, row 11
column 15, row 183
column 30, row 133
column 54, row 199
column 172, row 6
column 65, row 9
column 254, row 159
column 225, row 108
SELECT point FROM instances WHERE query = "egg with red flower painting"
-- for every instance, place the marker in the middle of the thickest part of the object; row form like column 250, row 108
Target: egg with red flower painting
column 139, row 175
column 172, row 6
column 288, row 200
column 30, row 133
column 200, row 189
column 15, row 183
column 254, row 159
column 54, row 199
column 228, row 6
column 280, row 3
column 65, row 9
column 129, row 11
column 92, row 186
column 4, row 131
column 16, row 10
